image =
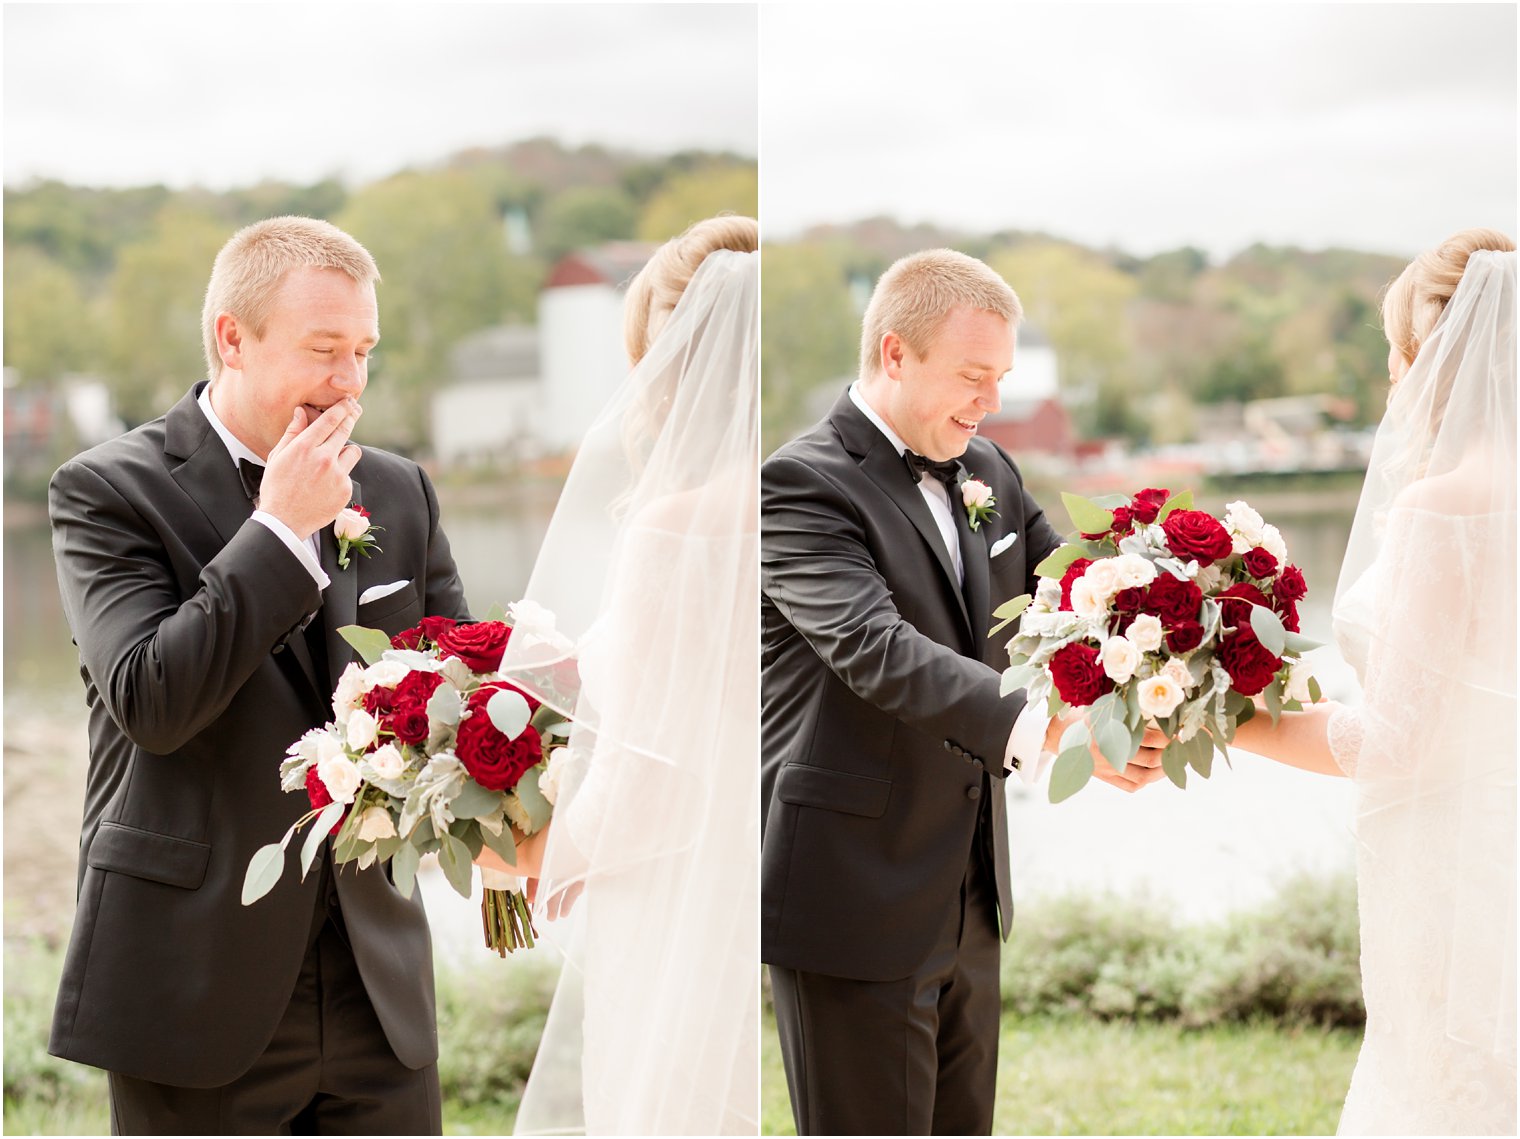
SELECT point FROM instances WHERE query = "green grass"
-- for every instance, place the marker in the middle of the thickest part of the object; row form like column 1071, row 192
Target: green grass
column 1083, row 1076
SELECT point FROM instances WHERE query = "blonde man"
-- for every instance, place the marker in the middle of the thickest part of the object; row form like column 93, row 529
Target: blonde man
column 884, row 881
column 199, row 574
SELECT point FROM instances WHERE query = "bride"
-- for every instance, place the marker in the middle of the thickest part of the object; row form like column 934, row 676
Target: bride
column 1425, row 611
column 641, row 620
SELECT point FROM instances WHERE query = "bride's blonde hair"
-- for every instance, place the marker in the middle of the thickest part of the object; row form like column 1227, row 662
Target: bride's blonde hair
column 656, row 290
column 1417, row 297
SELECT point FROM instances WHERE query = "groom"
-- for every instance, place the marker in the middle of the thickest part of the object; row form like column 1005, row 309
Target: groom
column 884, row 872
column 200, row 577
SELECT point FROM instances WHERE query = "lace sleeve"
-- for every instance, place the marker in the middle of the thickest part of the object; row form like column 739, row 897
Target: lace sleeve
column 1345, row 735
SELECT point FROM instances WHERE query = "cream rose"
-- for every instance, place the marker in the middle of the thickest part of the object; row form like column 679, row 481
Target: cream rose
column 340, row 775
column 1103, row 577
column 384, row 674
column 376, row 823
column 1087, row 602
column 387, row 762
column 1159, row 695
column 1242, row 519
column 350, row 525
column 1300, row 672
column 974, row 493
column 361, row 729
column 1178, row 672
column 1272, row 542
column 548, row 781
column 1119, row 658
column 350, row 690
column 1144, row 632
column 1133, row 571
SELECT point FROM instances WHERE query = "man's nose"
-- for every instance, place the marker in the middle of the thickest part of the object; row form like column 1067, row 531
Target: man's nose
column 349, row 375
column 990, row 399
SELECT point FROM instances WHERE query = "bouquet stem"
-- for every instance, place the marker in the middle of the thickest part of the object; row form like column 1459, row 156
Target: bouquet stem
column 507, row 921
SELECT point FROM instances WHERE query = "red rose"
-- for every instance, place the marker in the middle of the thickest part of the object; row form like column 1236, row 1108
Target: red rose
column 492, row 760
column 1148, row 503
column 417, row 688
column 1173, row 600
column 1129, row 600
column 1290, row 584
column 408, row 724
column 1185, row 637
column 379, row 701
column 1236, row 603
column 1073, row 571
column 1196, row 534
column 1250, row 665
column 316, row 791
column 1260, row 562
column 1289, row 614
column 429, row 628
column 408, row 638
column 480, row 645
column 1078, row 676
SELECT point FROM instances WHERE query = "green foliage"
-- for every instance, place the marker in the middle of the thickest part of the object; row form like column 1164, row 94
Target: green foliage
column 700, row 193
column 47, row 329
column 586, row 215
column 810, row 333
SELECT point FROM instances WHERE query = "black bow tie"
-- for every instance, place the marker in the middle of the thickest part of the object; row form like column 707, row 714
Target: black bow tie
column 252, row 475
column 946, row 470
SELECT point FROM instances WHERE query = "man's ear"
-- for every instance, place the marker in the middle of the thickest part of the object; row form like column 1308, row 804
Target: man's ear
column 229, row 340
column 891, row 355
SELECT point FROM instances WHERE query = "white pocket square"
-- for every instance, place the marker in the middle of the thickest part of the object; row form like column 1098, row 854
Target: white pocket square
column 1002, row 544
column 376, row 592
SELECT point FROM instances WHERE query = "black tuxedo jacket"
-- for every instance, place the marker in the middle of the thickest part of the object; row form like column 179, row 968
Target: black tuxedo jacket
column 187, row 614
column 879, row 696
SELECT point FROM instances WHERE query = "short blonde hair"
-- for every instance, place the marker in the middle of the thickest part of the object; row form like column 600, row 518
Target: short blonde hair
column 654, row 293
column 918, row 292
column 1417, row 297
column 247, row 272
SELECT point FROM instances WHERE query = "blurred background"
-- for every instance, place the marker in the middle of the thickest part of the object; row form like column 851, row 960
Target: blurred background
column 1199, row 206
column 509, row 166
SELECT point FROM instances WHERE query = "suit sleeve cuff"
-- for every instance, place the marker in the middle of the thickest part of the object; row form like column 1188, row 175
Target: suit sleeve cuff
column 296, row 546
column 1026, row 744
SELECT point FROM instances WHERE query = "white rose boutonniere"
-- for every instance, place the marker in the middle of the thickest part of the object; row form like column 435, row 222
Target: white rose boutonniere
column 979, row 501
column 355, row 533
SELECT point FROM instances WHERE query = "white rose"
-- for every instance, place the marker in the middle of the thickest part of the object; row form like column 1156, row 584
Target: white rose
column 1240, row 518
column 350, row 689
column 350, row 525
column 387, row 762
column 1299, row 674
column 1120, row 658
column 376, row 823
column 1272, row 541
column 384, row 674
column 1086, row 602
column 1133, row 571
column 1210, row 578
column 975, row 493
column 548, row 781
column 1103, row 577
column 1145, row 632
column 361, row 729
column 1047, row 595
column 1178, row 672
column 329, row 747
column 340, row 775
column 1159, row 695
column 517, row 814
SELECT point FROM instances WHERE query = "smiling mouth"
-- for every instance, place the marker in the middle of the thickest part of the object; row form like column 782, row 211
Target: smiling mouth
column 967, row 425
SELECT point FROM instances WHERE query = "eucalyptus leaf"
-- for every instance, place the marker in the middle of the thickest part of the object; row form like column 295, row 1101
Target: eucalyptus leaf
column 454, row 857
column 1246, row 714
column 1113, row 741
column 1111, row 501
column 468, row 832
column 317, row 833
column 1300, row 644
column 1201, row 754
column 532, row 799
column 1058, row 560
column 1070, row 773
column 1076, row 735
column 1086, row 515
column 502, row 843
column 1180, row 501
column 368, row 643
column 1174, row 763
column 496, row 612
column 445, row 705
column 1274, row 702
column 509, row 711
column 1133, row 715
column 404, row 868
column 1009, row 612
column 264, row 870
column 1316, row 694
column 474, row 801
column 1269, row 630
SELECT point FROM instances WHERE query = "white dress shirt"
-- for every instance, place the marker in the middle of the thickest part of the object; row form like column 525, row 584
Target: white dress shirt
column 1026, row 741
column 305, row 551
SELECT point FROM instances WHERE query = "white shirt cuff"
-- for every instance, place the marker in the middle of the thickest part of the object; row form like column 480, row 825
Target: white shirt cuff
column 1026, row 743
column 302, row 550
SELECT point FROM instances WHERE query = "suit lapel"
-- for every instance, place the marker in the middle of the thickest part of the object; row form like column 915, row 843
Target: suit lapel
column 884, row 466
column 340, row 600
column 974, row 558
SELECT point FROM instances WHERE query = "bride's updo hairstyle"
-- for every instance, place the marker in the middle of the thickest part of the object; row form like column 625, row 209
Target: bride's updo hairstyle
column 655, row 291
column 1418, row 296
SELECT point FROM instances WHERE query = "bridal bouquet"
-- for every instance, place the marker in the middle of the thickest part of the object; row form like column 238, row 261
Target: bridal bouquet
column 1156, row 614
column 429, row 750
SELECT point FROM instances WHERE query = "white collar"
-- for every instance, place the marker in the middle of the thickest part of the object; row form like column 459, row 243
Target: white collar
column 235, row 446
column 870, row 413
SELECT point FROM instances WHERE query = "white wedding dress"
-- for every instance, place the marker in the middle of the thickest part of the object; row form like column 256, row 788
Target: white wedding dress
column 1425, row 613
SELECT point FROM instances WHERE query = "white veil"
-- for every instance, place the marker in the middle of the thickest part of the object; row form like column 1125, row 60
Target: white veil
column 650, row 569
column 1426, row 600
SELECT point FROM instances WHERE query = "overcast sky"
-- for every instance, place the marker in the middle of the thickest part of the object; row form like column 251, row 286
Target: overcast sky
column 1374, row 126
column 227, row 94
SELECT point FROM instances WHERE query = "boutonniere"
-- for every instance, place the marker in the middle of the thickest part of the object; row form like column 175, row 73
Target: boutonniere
column 977, row 496
column 355, row 532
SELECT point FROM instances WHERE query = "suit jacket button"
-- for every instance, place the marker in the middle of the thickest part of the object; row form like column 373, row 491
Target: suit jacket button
column 279, row 648
column 949, row 746
column 973, row 792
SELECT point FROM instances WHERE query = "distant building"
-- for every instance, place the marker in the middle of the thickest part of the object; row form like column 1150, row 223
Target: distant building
column 1032, row 419
column 488, row 409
